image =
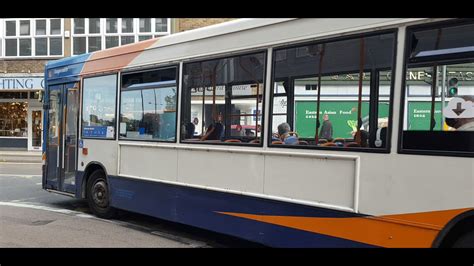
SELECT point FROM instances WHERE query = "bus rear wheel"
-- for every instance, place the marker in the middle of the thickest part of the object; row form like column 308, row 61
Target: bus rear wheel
column 98, row 195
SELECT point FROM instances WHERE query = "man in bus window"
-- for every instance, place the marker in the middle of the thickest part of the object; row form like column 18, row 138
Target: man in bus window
column 284, row 133
column 215, row 130
column 460, row 113
column 326, row 128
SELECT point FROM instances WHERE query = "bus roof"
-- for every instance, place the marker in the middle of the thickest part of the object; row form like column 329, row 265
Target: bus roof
column 204, row 41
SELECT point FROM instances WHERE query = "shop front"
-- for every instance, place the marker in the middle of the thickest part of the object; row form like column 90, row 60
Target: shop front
column 21, row 113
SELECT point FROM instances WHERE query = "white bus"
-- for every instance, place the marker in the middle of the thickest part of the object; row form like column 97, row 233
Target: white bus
column 191, row 128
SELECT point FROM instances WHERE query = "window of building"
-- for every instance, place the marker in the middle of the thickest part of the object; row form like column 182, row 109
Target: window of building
column 33, row 37
column 148, row 105
column 145, row 24
column 161, row 25
column 438, row 115
column 333, row 95
column 98, row 107
column 223, row 100
column 111, row 25
column 93, row 34
column 40, row 27
column 79, row 26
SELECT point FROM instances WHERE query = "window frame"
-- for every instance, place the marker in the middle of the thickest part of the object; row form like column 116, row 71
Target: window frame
column 117, row 74
column 387, row 149
column 134, row 71
column 264, row 79
column 438, row 60
column 32, row 37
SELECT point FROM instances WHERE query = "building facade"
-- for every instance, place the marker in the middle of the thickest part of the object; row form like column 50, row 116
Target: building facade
column 27, row 44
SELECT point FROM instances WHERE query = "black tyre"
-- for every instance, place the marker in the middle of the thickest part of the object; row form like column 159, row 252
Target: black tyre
column 98, row 195
column 465, row 241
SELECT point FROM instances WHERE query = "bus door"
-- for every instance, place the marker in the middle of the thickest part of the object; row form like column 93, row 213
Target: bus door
column 61, row 146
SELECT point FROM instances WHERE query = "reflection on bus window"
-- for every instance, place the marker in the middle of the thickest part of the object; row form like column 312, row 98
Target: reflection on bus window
column 223, row 100
column 439, row 97
column 334, row 94
column 148, row 105
column 98, row 107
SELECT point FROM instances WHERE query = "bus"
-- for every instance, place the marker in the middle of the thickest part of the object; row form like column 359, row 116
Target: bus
column 190, row 128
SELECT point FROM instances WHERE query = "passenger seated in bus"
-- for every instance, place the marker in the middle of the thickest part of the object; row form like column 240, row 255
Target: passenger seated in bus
column 462, row 119
column 284, row 134
column 215, row 130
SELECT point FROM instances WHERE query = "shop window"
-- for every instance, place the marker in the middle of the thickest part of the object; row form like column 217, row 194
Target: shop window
column 13, row 120
column 438, row 117
column 98, row 107
column 148, row 105
column 223, row 100
column 333, row 95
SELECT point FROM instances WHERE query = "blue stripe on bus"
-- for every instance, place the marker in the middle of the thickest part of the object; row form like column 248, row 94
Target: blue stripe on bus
column 199, row 207
column 66, row 68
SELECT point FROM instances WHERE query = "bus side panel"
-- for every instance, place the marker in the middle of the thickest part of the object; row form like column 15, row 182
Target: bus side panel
column 201, row 208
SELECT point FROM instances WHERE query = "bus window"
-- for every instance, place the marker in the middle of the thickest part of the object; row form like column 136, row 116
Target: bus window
column 223, row 100
column 439, row 90
column 148, row 105
column 98, row 107
column 334, row 94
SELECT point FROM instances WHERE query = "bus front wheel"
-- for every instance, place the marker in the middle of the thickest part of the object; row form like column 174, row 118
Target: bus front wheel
column 98, row 195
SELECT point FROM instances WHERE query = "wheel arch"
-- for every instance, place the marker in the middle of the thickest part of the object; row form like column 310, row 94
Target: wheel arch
column 454, row 229
column 90, row 168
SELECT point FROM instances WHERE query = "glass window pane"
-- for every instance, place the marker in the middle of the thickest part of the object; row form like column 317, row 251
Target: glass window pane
column 79, row 26
column 441, row 119
column 149, row 114
column 1, row 50
column 10, row 28
column 55, row 25
column 94, row 25
column 111, row 41
column 24, row 27
column 111, row 25
column 146, row 37
column 25, row 47
column 161, row 24
column 225, row 95
column 98, row 107
column 127, row 39
column 41, row 46
column 332, row 68
column 79, row 44
column 56, row 45
column 94, row 44
column 145, row 25
column 41, row 27
column 127, row 25
column 13, row 119
column 11, row 47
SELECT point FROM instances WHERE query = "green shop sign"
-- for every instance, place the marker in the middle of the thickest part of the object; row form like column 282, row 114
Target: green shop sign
column 342, row 114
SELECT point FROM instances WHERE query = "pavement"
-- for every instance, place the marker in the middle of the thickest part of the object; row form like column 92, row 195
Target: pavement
column 20, row 156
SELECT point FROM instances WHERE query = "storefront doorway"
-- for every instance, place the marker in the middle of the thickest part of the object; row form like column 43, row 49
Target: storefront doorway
column 35, row 129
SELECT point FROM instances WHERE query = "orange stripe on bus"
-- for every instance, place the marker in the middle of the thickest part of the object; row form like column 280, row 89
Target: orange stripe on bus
column 405, row 230
column 115, row 58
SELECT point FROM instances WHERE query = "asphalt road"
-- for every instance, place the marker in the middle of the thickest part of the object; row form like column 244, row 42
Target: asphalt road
column 33, row 217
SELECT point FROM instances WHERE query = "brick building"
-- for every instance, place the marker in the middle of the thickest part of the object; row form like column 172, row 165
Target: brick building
column 26, row 44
